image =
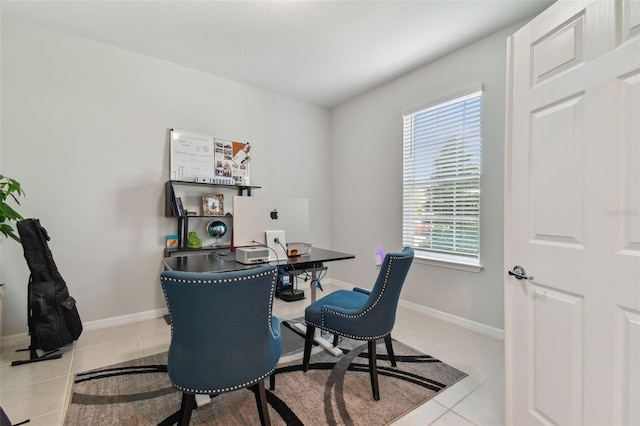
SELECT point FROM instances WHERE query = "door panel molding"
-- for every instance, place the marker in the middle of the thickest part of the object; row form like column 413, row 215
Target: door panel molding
column 557, row 342
column 558, row 51
column 627, row 367
column 556, row 164
column 628, row 211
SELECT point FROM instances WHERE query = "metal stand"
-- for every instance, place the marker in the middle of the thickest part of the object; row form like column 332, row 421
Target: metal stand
column 324, row 343
column 34, row 357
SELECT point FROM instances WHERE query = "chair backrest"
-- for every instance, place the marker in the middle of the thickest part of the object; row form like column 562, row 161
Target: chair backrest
column 222, row 328
column 383, row 301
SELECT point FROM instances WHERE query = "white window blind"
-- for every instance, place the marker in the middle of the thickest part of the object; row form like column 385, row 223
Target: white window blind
column 441, row 188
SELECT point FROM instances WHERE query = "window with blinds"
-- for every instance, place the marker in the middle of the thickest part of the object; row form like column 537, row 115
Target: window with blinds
column 441, row 188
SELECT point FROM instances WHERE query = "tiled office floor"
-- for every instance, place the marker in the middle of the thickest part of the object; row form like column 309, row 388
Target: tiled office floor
column 39, row 391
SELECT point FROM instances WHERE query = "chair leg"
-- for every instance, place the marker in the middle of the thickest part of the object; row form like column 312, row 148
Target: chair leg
column 389, row 345
column 335, row 340
column 188, row 401
column 261, row 401
column 272, row 381
column 373, row 370
column 308, row 342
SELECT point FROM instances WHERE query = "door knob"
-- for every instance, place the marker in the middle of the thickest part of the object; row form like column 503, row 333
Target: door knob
column 520, row 273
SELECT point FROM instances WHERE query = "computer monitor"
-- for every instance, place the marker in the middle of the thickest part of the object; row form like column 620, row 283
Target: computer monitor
column 253, row 216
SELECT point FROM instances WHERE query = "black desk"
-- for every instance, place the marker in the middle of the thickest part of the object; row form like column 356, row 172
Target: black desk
column 225, row 261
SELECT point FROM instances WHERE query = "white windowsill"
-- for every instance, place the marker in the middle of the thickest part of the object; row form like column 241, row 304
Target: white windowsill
column 448, row 263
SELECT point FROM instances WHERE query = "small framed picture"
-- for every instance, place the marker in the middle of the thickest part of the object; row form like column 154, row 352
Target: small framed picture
column 172, row 242
column 213, row 204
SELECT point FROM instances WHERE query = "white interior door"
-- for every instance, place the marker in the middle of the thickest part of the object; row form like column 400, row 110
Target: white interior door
column 572, row 329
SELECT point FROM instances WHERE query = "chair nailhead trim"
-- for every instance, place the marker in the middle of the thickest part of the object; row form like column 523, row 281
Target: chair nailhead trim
column 363, row 313
column 273, row 291
column 351, row 336
column 227, row 389
column 221, row 281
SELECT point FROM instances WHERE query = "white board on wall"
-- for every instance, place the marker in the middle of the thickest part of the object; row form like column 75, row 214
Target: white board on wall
column 191, row 156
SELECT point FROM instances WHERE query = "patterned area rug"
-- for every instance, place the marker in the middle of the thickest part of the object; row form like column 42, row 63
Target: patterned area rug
column 335, row 391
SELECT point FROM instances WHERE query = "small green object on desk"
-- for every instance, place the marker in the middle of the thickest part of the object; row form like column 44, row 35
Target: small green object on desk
column 193, row 242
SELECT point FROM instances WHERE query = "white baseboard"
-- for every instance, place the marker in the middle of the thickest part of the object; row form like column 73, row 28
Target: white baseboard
column 124, row 319
column 23, row 339
column 477, row 327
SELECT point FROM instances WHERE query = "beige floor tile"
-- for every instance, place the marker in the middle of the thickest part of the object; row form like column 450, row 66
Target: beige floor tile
column 425, row 340
column 454, row 394
column 412, row 319
column 19, row 375
column 34, row 400
column 18, row 352
column 423, row 415
column 451, row 419
column 156, row 342
column 152, row 326
column 102, row 336
column 425, row 333
column 52, row 419
column 288, row 312
column 481, row 342
column 484, row 406
column 67, row 396
column 474, row 362
column 97, row 356
column 497, row 381
column 10, row 354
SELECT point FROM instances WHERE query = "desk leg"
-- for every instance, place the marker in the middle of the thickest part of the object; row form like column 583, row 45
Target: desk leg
column 312, row 286
column 324, row 343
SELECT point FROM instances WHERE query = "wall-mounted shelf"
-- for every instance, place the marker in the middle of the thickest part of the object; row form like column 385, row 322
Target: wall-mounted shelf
column 169, row 190
column 183, row 220
column 189, row 252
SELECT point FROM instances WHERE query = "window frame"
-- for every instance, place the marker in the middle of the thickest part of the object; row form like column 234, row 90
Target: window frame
column 459, row 261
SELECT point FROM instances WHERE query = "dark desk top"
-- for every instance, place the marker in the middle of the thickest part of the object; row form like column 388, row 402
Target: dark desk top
column 226, row 261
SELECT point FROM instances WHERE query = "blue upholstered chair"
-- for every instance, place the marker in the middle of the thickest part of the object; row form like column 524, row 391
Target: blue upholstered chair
column 361, row 314
column 223, row 334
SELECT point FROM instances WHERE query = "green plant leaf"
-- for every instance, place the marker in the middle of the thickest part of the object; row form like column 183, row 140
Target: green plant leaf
column 8, row 232
column 9, row 189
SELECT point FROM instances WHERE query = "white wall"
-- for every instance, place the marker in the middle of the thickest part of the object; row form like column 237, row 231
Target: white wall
column 85, row 130
column 367, row 181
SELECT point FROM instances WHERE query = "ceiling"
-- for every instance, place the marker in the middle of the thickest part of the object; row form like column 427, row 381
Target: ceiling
column 322, row 52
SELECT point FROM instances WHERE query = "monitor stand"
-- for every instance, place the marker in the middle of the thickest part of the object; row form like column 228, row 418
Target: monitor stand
column 278, row 249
